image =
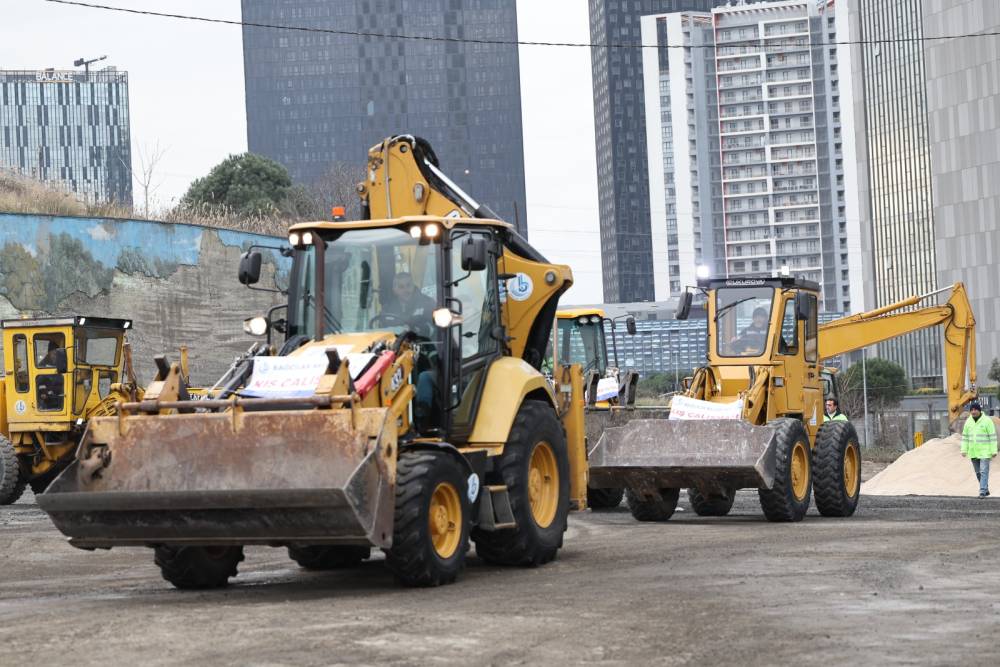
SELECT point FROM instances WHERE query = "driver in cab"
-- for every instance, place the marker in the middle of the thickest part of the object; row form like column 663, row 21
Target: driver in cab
column 753, row 337
column 409, row 304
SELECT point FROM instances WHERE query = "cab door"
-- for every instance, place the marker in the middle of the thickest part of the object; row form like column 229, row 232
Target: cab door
column 50, row 386
column 812, row 388
column 474, row 345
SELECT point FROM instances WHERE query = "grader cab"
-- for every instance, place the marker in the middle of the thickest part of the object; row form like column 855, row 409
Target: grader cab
column 60, row 373
column 403, row 409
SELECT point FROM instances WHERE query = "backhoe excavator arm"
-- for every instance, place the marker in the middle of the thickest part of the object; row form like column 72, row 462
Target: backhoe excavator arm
column 857, row 331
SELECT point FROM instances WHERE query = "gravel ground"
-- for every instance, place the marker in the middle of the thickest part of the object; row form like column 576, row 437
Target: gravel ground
column 905, row 581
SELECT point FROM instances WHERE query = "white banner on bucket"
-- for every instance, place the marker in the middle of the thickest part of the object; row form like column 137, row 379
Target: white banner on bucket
column 682, row 407
column 607, row 388
column 286, row 377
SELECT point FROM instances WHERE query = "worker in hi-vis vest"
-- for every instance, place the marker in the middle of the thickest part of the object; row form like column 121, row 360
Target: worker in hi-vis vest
column 979, row 443
column 833, row 413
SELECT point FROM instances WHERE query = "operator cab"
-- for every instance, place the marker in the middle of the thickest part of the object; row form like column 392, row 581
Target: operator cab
column 60, row 367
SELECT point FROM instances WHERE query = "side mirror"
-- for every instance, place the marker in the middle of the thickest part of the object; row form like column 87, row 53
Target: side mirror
column 474, row 254
column 630, row 325
column 803, row 306
column 250, row 267
column 827, row 386
column 683, row 306
column 59, row 360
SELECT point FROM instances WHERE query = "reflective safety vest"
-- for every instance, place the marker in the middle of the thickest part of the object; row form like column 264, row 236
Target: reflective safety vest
column 837, row 417
column 979, row 438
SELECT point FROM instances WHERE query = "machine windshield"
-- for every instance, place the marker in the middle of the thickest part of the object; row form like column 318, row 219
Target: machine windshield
column 742, row 318
column 374, row 279
column 581, row 341
column 96, row 347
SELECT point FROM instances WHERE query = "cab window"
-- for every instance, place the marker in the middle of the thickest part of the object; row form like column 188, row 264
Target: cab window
column 21, row 376
column 96, row 348
column 812, row 329
column 789, row 341
column 45, row 349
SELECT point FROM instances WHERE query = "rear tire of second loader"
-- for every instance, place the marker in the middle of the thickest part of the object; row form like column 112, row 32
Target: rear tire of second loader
column 788, row 499
column 535, row 467
column 198, row 567
column 837, row 469
column 328, row 556
column 653, row 509
column 713, row 505
column 604, row 499
column 12, row 479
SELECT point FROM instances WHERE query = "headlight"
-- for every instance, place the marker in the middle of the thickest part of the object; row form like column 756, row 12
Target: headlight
column 256, row 326
column 431, row 230
column 703, row 271
column 444, row 318
column 582, row 319
column 307, row 238
column 293, row 239
column 595, row 319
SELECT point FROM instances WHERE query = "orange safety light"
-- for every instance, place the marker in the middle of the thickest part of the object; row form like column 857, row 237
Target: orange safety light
column 338, row 212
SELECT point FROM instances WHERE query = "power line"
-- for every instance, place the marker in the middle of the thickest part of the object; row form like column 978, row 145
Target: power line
column 510, row 42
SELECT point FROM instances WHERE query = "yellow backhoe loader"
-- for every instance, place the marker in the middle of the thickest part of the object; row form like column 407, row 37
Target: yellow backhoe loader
column 61, row 372
column 753, row 417
column 404, row 409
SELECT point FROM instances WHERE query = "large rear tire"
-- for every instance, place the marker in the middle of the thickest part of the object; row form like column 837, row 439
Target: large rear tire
column 837, row 469
column 535, row 467
column 430, row 534
column 198, row 567
column 12, row 479
column 604, row 499
column 788, row 499
column 653, row 509
column 327, row 556
column 711, row 505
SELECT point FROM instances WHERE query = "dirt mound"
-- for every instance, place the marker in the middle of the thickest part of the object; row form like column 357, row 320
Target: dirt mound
column 935, row 469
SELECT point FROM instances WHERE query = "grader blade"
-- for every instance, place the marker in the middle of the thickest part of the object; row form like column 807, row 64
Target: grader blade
column 660, row 453
column 268, row 477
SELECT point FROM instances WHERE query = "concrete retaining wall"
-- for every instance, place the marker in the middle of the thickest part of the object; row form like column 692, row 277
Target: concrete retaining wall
column 176, row 282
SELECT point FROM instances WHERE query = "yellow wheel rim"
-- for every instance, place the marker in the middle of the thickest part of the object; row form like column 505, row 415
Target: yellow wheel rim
column 445, row 519
column 852, row 469
column 800, row 471
column 543, row 484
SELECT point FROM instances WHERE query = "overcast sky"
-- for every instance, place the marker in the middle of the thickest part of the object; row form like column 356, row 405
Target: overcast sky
column 186, row 96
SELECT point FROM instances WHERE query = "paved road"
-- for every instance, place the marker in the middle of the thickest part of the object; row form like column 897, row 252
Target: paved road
column 906, row 581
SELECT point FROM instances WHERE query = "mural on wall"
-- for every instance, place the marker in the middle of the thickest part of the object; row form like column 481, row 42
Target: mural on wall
column 176, row 282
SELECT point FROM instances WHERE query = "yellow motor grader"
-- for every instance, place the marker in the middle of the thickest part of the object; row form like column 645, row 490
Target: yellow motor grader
column 753, row 416
column 60, row 372
column 404, row 410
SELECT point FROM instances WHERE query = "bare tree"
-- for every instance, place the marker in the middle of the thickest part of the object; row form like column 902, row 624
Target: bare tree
column 336, row 187
column 149, row 157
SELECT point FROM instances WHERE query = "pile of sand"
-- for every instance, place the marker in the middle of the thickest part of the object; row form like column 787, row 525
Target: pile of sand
column 935, row 469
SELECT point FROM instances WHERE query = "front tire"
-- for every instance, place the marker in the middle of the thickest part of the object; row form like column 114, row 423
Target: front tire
column 711, row 505
column 535, row 467
column 328, row 557
column 430, row 534
column 604, row 499
column 788, row 499
column 198, row 568
column 12, row 479
column 659, row 508
column 837, row 466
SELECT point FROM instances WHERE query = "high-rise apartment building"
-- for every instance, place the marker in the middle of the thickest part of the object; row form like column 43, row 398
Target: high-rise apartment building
column 620, row 132
column 315, row 98
column 963, row 108
column 750, row 172
column 68, row 127
column 894, row 171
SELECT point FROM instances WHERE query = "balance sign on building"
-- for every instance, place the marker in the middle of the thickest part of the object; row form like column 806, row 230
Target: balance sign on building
column 748, row 169
column 70, row 128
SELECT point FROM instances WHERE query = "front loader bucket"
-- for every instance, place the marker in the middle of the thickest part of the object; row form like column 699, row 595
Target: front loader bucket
column 660, row 453
column 268, row 477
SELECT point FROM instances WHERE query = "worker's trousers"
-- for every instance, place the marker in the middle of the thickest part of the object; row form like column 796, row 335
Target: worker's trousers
column 982, row 468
